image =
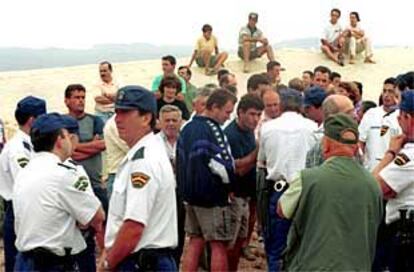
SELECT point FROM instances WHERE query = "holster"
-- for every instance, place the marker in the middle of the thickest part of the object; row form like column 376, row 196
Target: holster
column 44, row 259
column 147, row 259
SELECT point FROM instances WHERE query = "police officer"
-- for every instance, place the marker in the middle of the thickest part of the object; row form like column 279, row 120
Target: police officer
column 141, row 230
column 284, row 142
column 395, row 174
column 86, row 260
column 15, row 156
column 50, row 201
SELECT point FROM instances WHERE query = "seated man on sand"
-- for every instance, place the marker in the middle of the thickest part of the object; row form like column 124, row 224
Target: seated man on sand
column 206, row 53
column 356, row 40
column 249, row 36
column 332, row 40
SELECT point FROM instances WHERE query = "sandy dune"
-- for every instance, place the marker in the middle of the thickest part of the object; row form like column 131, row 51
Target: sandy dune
column 50, row 83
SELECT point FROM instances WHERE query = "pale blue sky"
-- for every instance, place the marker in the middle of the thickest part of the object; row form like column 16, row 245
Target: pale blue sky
column 83, row 23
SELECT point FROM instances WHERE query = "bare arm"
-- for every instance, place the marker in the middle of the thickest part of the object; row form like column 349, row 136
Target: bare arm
column 127, row 239
column 88, row 149
column 103, row 99
column 193, row 57
column 247, row 163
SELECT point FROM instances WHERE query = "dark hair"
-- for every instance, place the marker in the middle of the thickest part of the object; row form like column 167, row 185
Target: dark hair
column 390, row 80
column 255, row 80
column 232, row 89
column 334, row 75
column 107, row 63
column 356, row 15
column 153, row 122
column 44, row 141
column 336, row 10
column 297, row 84
column 170, row 81
column 219, row 98
column 359, row 86
column 170, row 59
column 22, row 117
column 73, row 87
column 310, row 73
column 224, row 79
column 271, row 64
column 249, row 101
column 350, row 88
column 366, row 105
column 221, row 73
column 322, row 69
column 206, row 28
column 405, row 81
column 189, row 73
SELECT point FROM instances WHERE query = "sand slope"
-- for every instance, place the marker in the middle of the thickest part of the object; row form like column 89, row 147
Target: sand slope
column 50, row 83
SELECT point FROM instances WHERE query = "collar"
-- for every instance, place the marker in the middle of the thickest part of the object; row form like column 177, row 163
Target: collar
column 142, row 142
column 291, row 114
column 24, row 136
column 206, row 118
column 49, row 156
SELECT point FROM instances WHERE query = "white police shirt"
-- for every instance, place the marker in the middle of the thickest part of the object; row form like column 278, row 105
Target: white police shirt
column 399, row 175
column 50, row 198
column 81, row 172
column 15, row 156
column 284, row 143
column 373, row 133
column 144, row 192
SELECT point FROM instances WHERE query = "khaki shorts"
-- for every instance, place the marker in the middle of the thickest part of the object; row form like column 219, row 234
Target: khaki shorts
column 213, row 224
column 239, row 218
column 200, row 61
column 254, row 54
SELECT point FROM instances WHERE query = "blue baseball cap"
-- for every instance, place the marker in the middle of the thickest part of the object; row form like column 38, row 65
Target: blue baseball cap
column 71, row 124
column 47, row 123
column 407, row 101
column 314, row 96
column 135, row 98
column 292, row 95
column 31, row 105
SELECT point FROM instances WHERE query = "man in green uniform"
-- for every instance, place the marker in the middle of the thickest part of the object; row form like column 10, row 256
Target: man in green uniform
column 335, row 208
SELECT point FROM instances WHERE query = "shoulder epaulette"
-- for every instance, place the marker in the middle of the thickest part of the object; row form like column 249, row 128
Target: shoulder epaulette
column 389, row 113
column 139, row 154
column 66, row 166
column 27, row 146
column 73, row 162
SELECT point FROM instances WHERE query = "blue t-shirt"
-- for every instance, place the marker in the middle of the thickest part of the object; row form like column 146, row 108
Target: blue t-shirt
column 242, row 142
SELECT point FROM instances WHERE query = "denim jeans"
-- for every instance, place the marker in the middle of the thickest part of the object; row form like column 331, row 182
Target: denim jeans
column 9, row 237
column 165, row 263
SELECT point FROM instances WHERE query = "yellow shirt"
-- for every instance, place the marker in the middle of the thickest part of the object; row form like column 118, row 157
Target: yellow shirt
column 116, row 148
column 206, row 45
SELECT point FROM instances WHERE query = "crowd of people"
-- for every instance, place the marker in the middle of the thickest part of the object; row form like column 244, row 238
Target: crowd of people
column 323, row 176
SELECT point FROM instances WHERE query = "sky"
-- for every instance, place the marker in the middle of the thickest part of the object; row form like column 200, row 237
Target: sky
column 84, row 23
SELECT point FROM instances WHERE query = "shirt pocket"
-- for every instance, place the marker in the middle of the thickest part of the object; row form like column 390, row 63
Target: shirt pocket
column 117, row 204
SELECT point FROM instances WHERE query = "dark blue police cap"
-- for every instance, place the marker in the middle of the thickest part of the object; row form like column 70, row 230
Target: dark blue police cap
column 292, row 95
column 135, row 98
column 32, row 105
column 314, row 96
column 47, row 123
column 407, row 101
column 71, row 124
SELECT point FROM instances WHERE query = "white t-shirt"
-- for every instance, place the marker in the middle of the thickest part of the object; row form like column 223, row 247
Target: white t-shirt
column 284, row 142
column 144, row 192
column 49, row 199
column 370, row 134
column 15, row 156
column 399, row 175
column 331, row 32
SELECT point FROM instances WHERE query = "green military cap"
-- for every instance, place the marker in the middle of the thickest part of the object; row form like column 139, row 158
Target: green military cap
column 341, row 128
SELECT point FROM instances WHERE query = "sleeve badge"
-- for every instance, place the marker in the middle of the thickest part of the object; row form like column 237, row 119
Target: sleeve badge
column 139, row 179
column 401, row 159
column 22, row 162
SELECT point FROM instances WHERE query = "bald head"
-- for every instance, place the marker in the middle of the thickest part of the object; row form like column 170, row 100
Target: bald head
column 337, row 103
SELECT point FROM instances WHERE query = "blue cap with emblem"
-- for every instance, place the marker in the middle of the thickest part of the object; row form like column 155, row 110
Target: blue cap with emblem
column 31, row 105
column 47, row 123
column 289, row 96
column 314, row 96
column 407, row 101
column 135, row 98
column 70, row 124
